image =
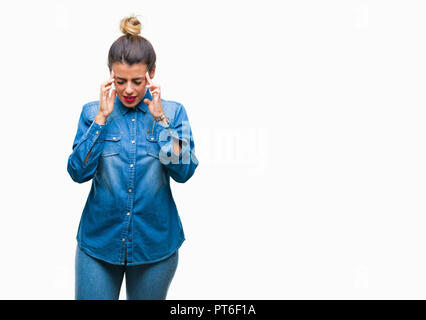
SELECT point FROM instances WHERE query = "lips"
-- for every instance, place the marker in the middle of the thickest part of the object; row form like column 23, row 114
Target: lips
column 129, row 98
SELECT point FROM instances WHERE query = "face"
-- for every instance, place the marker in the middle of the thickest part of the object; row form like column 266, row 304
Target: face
column 130, row 82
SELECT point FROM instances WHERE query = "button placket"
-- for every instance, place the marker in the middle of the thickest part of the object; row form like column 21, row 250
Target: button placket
column 127, row 231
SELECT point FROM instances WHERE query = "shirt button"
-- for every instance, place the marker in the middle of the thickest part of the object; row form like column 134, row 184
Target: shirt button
column 123, row 239
column 130, row 190
column 114, row 138
column 128, row 213
column 133, row 141
column 133, row 120
column 97, row 132
column 131, row 165
column 152, row 138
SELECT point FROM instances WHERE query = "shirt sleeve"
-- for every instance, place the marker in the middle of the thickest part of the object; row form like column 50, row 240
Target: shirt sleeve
column 86, row 140
column 181, row 167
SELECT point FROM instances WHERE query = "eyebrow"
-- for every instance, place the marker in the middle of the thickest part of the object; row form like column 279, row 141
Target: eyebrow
column 140, row 78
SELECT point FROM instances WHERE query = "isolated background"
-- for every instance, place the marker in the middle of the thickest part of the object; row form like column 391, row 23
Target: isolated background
column 309, row 124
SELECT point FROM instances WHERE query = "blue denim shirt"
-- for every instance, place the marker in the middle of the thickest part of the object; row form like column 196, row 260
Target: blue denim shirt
column 130, row 214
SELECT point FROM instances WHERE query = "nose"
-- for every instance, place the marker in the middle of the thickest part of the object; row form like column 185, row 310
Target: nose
column 129, row 90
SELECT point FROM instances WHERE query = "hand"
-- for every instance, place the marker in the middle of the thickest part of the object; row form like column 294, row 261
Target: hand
column 154, row 106
column 106, row 101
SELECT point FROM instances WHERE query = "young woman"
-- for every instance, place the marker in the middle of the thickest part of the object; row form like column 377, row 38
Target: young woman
column 130, row 143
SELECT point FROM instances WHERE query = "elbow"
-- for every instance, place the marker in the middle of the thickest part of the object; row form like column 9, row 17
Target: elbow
column 182, row 178
column 78, row 179
column 75, row 174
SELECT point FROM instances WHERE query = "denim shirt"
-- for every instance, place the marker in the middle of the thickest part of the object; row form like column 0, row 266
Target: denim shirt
column 130, row 216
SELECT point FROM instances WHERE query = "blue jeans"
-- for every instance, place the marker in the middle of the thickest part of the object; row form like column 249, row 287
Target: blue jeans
column 99, row 280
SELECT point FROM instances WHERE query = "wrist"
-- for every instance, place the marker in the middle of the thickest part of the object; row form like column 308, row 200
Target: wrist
column 165, row 123
column 100, row 119
column 163, row 120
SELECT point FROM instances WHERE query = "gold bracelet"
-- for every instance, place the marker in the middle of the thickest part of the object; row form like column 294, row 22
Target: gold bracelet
column 161, row 118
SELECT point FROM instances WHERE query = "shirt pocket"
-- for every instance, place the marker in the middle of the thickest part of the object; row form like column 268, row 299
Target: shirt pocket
column 152, row 147
column 112, row 145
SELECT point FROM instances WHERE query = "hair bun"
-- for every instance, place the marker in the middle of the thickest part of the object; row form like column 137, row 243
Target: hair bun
column 131, row 26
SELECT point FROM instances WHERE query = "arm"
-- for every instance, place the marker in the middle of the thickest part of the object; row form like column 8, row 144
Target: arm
column 177, row 149
column 83, row 161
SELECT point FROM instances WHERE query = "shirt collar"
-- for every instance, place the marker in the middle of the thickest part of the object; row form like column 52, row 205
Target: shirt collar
column 141, row 105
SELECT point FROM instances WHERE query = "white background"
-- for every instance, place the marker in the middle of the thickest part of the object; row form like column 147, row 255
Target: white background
column 308, row 119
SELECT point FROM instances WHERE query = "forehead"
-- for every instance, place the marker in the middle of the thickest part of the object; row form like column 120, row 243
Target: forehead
column 123, row 70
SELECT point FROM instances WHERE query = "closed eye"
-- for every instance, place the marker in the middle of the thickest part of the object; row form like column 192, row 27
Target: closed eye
column 136, row 82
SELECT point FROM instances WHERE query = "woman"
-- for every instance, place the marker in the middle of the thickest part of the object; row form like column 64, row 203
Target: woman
column 130, row 143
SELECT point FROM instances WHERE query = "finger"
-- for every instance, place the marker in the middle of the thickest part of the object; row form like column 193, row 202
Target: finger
column 107, row 83
column 152, row 86
column 147, row 101
column 112, row 95
column 105, row 92
column 148, row 78
column 155, row 92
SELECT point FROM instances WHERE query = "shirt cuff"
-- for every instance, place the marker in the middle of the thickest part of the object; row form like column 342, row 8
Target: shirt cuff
column 95, row 131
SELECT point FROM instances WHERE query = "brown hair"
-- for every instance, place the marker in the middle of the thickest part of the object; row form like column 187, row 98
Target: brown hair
column 131, row 48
